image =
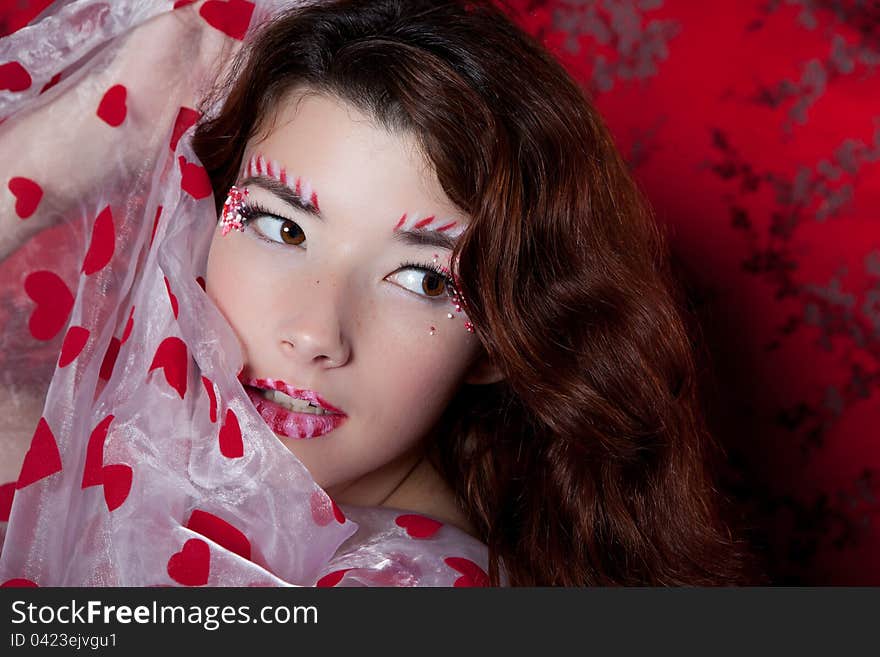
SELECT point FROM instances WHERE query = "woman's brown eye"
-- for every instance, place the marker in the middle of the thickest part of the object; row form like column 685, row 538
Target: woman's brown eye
column 433, row 284
column 291, row 233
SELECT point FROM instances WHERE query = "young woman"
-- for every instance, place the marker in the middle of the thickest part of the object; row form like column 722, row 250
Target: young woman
column 437, row 341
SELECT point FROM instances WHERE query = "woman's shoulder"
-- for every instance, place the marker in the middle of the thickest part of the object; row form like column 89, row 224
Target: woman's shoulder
column 400, row 547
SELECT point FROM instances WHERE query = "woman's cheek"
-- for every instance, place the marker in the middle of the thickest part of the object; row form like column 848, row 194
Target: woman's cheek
column 428, row 366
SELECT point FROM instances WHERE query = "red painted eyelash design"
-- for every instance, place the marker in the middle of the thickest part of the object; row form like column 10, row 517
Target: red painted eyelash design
column 417, row 222
column 260, row 166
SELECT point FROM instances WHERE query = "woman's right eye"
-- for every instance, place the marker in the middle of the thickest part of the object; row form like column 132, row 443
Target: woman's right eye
column 278, row 229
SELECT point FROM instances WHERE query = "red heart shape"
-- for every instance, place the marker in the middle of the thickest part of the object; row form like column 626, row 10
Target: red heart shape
column 212, row 396
column 74, row 341
column 109, row 361
column 103, row 243
column 126, row 332
column 18, row 582
column 232, row 17
column 332, row 579
column 171, row 297
column 231, row 445
column 192, row 564
column 472, row 574
column 7, row 492
column 186, row 118
column 324, row 509
column 117, row 484
column 112, row 107
column 220, row 531
column 201, row 281
column 171, row 357
column 155, row 224
column 93, row 469
column 14, row 77
column 54, row 303
column 194, row 179
column 337, row 512
column 183, row 3
column 42, row 459
column 418, row 526
column 28, row 195
column 51, row 83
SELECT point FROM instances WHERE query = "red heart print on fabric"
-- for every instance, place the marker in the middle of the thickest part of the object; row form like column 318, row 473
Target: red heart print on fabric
column 332, row 579
column 220, row 531
column 28, row 195
column 93, row 474
column 128, row 326
column 171, row 357
column 155, row 224
column 7, row 492
column 418, row 526
column 110, row 357
column 19, row 583
column 183, row 3
column 14, row 77
column 117, row 484
column 201, row 281
column 54, row 303
column 171, row 297
column 472, row 574
column 51, row 83
column 103, row 243
column 192, row 564
column 231, row 445
column 232, row 17
column 212, row 397
column 194, row 179
column 112, row 109
column 42, row 459
column 186, row 118
column 74, row 341
column 337, row 512
column 324, row 509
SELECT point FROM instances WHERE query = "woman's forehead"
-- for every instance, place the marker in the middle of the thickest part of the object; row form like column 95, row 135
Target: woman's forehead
column 325, row 154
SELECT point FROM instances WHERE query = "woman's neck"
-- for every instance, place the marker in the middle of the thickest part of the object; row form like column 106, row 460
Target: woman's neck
column 409, row 483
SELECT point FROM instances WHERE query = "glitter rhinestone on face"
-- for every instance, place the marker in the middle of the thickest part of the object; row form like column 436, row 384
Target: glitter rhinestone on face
column 231, row 216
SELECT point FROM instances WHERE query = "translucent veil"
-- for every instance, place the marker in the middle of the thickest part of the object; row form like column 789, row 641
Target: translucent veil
column 132, row 454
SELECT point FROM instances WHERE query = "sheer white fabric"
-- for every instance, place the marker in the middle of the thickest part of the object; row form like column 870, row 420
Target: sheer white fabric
column 134, row 455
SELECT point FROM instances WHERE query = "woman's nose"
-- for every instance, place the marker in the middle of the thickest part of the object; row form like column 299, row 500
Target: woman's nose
column 313, row 333
column 309, row 347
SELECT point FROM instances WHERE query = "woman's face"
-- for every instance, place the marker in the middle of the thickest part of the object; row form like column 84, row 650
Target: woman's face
column 330, row 293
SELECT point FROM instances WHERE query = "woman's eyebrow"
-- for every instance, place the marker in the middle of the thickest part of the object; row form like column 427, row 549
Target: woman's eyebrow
column 285, row 193
column 427, row 231
column 425, row 238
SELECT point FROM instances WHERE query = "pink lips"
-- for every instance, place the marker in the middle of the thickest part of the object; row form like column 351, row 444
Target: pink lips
column 290, row 423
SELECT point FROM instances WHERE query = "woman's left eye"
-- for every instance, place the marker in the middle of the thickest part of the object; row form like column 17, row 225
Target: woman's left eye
column 278, row 229
column 423, row 281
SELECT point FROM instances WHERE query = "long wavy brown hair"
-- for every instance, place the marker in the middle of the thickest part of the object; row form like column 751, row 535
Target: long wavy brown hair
column 587, row 464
